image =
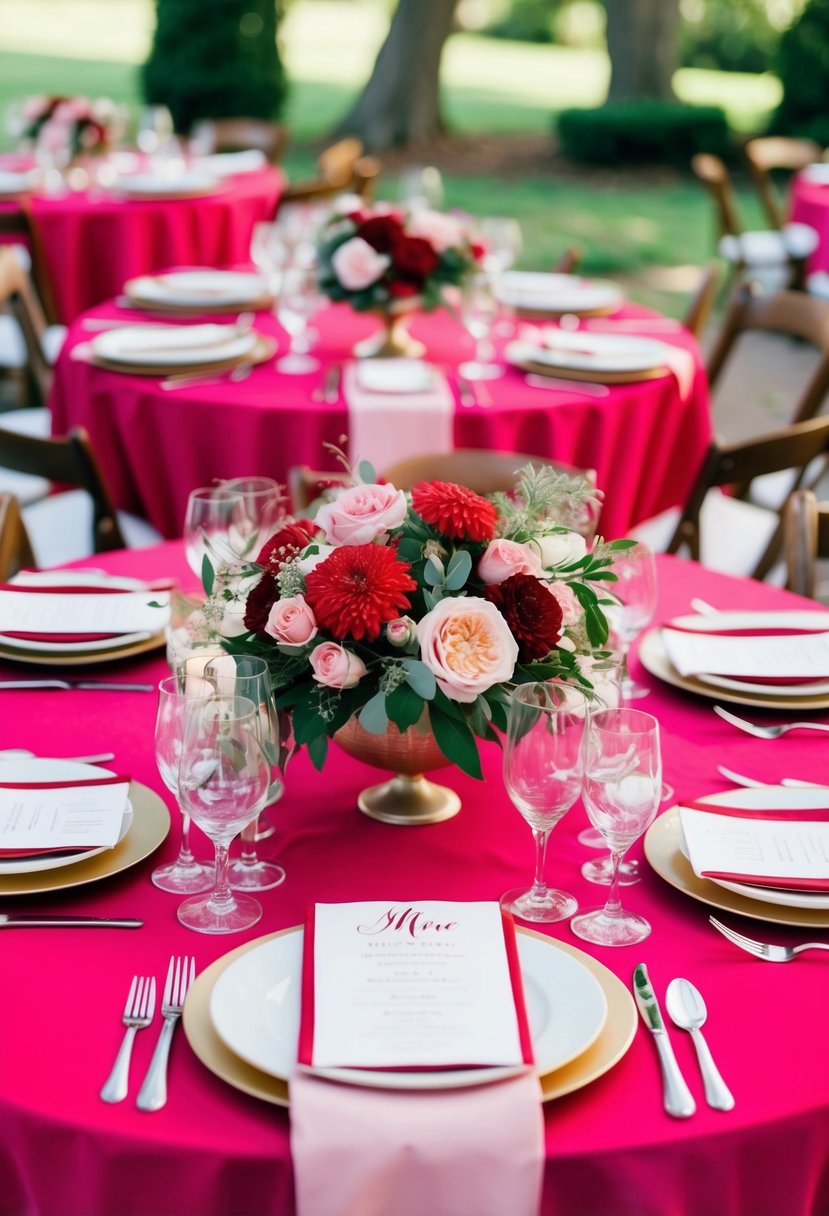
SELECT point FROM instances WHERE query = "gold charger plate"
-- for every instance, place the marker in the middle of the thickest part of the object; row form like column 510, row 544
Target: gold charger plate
column 59, row 658
column 654, row 659
column 595, row 375
column 613, row 1041
column 261, row 351
column 259, row 304
column 150, row 825
column 665, row 857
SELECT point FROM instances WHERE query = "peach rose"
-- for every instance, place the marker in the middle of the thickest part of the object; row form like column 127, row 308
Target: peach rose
column 441, row 230
column 571, row 609
column 291, row 621
column 336, row 667
column 357, row 265
column 559, row 548
column 362, row 513
column 506, row 557
column 467, row 644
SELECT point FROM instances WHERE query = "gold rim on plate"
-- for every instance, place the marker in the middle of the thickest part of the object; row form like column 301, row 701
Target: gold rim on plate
column 200, row 308
column 149, row 828
column 80, row 657
column 653, row 657
column 666, row 858
column 593, row 374
column 260, row 352
column 614, row 1040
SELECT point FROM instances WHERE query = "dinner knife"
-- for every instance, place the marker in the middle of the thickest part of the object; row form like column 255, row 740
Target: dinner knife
column 100, row 685
column 676, row 1095
column 13, row 920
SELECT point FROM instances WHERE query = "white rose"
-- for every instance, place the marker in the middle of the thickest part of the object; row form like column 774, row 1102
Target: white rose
column 559, row 548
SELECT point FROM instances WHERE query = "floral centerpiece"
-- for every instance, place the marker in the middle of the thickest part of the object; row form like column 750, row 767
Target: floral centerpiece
column 400, row 613
column 386, row 260
column 70, row 126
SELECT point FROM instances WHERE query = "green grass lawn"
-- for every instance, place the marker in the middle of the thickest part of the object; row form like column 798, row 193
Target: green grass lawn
column 624, row 226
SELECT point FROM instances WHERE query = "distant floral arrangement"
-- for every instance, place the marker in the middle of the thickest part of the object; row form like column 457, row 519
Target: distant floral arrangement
column 72, row 125
column 380, row 257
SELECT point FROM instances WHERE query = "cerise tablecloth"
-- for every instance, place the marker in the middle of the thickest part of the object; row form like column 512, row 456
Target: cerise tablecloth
column 810, row 205
column 645, row 440
column 611, row 1151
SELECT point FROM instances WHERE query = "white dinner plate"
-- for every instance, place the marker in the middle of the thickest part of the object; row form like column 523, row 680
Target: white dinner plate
column 557, row 293
column 166, row 185
column 394, row 375
column 17, row 181
column 772, row 797
column 590, row 352
column 198, row 287
column 811, row 688
column 255, row 1010
column 228, row 164
column 174, row 345
column 54, row 770
column 817, row 174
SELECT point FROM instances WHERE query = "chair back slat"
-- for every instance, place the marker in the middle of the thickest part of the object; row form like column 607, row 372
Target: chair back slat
column 15, row 547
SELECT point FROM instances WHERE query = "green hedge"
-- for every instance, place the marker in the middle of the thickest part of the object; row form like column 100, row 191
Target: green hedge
column 803, row 67
column 643, row 131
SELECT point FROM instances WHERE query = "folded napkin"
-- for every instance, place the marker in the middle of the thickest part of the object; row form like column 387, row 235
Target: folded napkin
column 377, row 1152
column 780, row 657
column 387, row 426
column 61, row 589
column 47, row 851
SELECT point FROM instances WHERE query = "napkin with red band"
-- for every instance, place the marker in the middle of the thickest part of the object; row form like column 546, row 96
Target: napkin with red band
column 81, row 589
column 746, row 662
column 55, row 785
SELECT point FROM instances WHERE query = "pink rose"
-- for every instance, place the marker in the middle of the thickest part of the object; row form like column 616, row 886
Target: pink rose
column 467, row 644
column 357, row 265
column 362, row 513
column 291, row 621
column 443, row 231
column 401, row 631
column 507, row 557
column 571, row 609
column 336, row 667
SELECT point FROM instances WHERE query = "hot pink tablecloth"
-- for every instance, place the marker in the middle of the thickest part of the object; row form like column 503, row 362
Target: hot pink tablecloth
column 92, row 243
column 810, row 205
column 611, row 1151
column 645, row 439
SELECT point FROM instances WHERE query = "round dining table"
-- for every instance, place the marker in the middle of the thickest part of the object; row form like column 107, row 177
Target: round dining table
column 809, row 204
column 611, row 1150
column 92, row 241
column 645, row 439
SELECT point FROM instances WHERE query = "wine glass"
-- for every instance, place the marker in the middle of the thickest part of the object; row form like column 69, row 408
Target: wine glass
column 223, row 782
column 479, row 309
column 213, row 517
column 421, row 188
column 622, row 792
column 263, row 505
column 501, row 237
column 543, row 768
column 635, row 591
column 269, row 253
column 184, row 876
column 296, row 305
column 155, row 130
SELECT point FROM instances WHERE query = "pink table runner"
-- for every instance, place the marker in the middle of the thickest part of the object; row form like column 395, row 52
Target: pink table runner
column 645, row 440
column 92, row 243
column 810, row 205
column 610, row 1148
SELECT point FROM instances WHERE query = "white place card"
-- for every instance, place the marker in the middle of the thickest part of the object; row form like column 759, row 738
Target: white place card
column 73, row 816
column 43, row 612
column 793, row 656
column 778, row 852
column 426, row 984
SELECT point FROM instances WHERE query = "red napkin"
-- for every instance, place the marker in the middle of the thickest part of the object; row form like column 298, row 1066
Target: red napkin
column 24, row 636
column 55, row 785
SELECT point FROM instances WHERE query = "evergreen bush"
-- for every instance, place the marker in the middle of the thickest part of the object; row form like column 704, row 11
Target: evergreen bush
column 803, row 67
column 625, row 132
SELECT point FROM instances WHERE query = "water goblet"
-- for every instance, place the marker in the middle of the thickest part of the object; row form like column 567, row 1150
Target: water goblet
column 501, row 237
column 543, row 766
column 214, row 515
column 622, row 792
column 296, row 305
column 479, row 309
column 421, row 187
column 263, row 505
column 223, row 782
column 269, row 253
column 186, row 875
column 635, row 591
column 155, row 130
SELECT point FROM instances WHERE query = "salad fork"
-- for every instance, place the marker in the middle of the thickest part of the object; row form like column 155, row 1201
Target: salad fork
column 180, row 975
column 767, row 732
column 765, row 950
column 138, row 1013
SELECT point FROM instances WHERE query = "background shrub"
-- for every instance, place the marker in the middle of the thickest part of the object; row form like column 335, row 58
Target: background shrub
column 803, row 67
column 625, row 132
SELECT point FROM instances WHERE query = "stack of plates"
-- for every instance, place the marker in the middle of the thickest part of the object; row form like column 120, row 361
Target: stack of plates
column 611, row 358
column 14, row 182
column 185, row 184
column 228, row 164
column 551, row 295
column 158, row 350
column 242, row 1020
column 202, row 289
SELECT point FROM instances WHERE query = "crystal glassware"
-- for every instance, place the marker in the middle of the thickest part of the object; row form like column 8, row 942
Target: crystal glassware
column 501, row 237
column 186, row 875
column 223, row 783
column 214, row 517
column 479, row 309
column 543, row 768
column 263, row 505
column 622, row 792
column 635, row 591
column 296, row 305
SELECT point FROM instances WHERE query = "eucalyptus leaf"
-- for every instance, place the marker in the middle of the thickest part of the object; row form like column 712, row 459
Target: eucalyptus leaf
column 458, row 570
column 420, row 678
column 208, row 575
column 373, row 716
column 404, row 707
column 366, row 472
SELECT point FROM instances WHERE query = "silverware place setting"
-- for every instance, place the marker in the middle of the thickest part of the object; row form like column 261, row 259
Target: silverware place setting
column 755, row 783
column 180, row 975
column 687, row 1011
column 138, row 1013
column 75, row 685
column 22, row 753
column 27, row 920
column 586, row 388
column 676, row 1096
column 767, row 732
column 328, row 393
column 765, row 950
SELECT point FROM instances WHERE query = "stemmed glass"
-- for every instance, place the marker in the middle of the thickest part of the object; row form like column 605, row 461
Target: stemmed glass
column 269, row 253
column 543, row 767
column 214, row 516
column 622, row 792
column 184, row 876
column 223, row 782
column 479, row 309
column 635, row 590
column 421, row 187
column 501, row 237
column 263, row 503
column 297, row 304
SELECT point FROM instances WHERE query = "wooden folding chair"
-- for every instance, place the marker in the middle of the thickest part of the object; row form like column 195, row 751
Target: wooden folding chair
column 769, row 153
column 15, row 547
column 702, row 301
column 18, row 224
column 336, row 174
column 806, row 539
column 42, row 342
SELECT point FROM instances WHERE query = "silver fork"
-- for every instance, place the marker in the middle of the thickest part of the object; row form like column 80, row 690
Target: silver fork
column 767, row 732
column 180, row 975
column 138, row 1013
column 772, row 954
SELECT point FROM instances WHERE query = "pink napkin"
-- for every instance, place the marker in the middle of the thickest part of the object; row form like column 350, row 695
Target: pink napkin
column 54, row 785
column 801, row 815
column 380, row 1152
column 386, row 427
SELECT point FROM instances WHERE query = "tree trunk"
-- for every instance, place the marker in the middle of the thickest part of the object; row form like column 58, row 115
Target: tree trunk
column 401, row 102
column 642, row 41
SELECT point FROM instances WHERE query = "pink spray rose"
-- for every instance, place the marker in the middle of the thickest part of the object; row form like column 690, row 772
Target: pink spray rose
column 357, row 265
column 336, row 667
column 362, row 513
column 504, row 558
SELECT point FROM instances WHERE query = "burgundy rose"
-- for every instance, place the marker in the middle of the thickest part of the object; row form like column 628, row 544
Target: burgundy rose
column 259, row 603
column 533, row 615
column 414, row 257
column 382, row 232
column 404, row 289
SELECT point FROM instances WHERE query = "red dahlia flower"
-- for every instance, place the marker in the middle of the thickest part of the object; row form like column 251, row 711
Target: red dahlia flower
column 454, row 510
column 357, row 589
column 259, row 603
column 532, row 613
column 283, row 546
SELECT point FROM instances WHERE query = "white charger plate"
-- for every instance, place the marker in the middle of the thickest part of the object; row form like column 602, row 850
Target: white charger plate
column 228, row 164
column 255, row 1010
column 55, row 770
column 394, row 375
column 590, row 352
column 198, row 287
column 14, row 181
column 557, row 293
column 817, row 174
column 174, row 345
column 164, row 185
column 771, row 797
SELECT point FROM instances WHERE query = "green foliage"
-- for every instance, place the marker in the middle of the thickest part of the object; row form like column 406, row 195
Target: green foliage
column 215, row 60
column 803, row 65
column 628, row 132
column 735, row 35
column 526, row 21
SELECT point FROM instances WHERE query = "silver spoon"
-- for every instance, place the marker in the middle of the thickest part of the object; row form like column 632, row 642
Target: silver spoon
column 20, row 753
column 687, row 1010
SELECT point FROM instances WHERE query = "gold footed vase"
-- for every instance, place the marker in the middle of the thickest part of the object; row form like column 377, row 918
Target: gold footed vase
column 393, row 340
column 408, row 799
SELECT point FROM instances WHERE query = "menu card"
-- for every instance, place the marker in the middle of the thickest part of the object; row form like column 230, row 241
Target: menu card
column 424, row 984
column 775, row 657
column 791, row 853
column 49, row 817
column 58, row 613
